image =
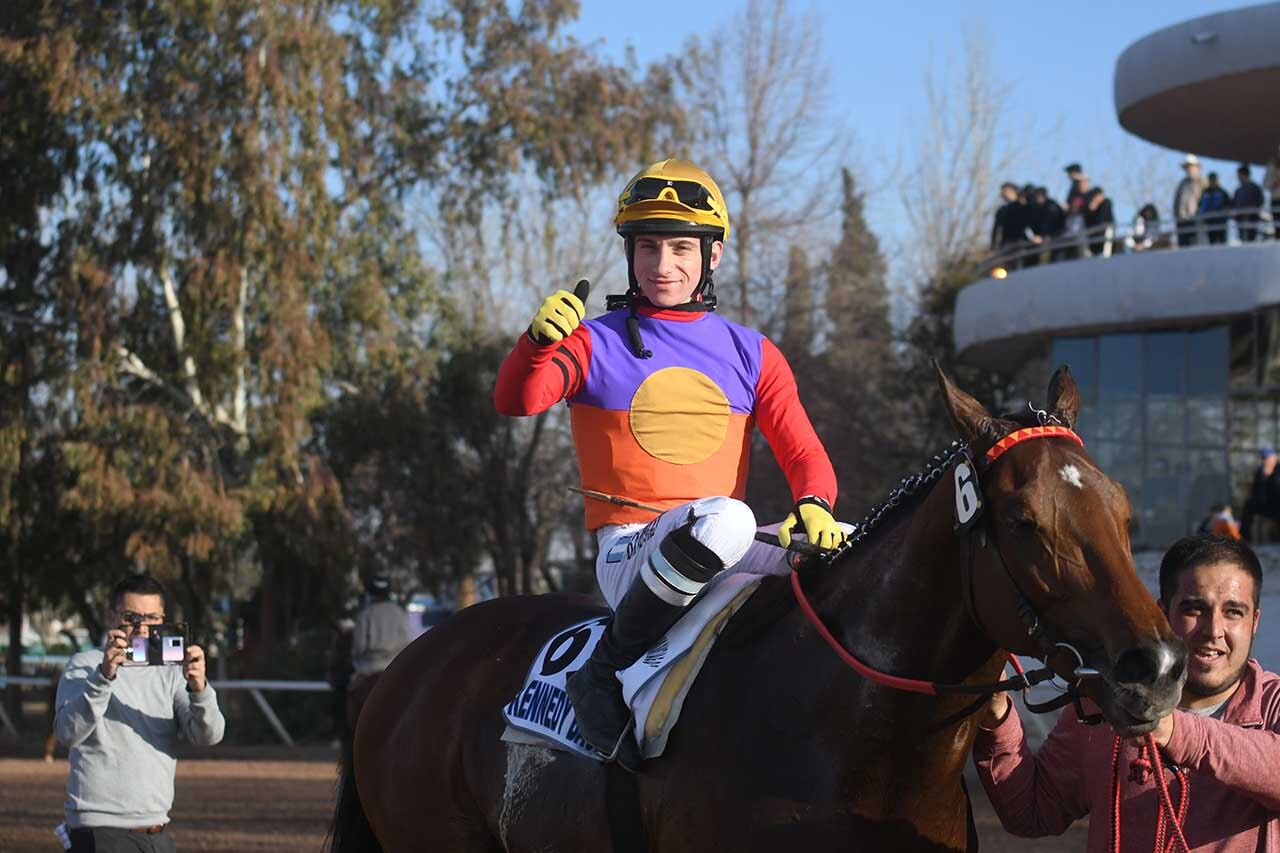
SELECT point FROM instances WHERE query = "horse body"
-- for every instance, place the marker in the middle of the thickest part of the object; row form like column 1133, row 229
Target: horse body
column 778, row 745
column 816, row 756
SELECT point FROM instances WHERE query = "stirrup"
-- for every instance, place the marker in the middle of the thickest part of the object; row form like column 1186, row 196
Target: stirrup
column 614, row 754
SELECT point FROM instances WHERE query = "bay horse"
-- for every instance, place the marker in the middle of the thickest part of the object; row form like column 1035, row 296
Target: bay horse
column 779, row 746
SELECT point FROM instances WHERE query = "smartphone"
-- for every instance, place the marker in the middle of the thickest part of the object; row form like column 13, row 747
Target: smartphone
column 164, row 644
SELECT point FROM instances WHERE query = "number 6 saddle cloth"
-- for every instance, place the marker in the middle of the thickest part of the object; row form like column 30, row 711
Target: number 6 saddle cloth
column 655, row 686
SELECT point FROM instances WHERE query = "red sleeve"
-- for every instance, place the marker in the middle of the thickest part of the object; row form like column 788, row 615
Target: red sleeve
column 785, row 425
column 1038, row 794
column 534, row 378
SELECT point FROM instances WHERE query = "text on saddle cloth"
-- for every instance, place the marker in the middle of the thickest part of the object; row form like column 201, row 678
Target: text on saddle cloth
column 655, row 686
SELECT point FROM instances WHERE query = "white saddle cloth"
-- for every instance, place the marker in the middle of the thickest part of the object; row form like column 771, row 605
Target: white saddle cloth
column 655, row 686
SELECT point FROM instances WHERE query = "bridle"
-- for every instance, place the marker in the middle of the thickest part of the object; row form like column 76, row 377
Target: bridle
column 976, row 529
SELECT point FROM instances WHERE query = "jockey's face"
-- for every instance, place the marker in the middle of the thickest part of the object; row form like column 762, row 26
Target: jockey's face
column 668, row 268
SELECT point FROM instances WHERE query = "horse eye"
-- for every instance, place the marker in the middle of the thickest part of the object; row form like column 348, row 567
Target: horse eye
column 1021, row 522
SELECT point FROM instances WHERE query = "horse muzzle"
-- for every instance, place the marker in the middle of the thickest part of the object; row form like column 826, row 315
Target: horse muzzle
column 1143, row 684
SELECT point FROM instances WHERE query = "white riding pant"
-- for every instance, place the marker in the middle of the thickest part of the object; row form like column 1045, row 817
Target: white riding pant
column 727, row 527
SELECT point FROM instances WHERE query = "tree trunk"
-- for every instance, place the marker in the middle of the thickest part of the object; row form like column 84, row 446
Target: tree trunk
column 466, row 591
column 13, row 662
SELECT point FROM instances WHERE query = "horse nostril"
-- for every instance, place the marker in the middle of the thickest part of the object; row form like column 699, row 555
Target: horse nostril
column 1146, row 664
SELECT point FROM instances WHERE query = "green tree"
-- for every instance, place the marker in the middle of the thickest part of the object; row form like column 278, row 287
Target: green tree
column 35, row 151
column 856, row 384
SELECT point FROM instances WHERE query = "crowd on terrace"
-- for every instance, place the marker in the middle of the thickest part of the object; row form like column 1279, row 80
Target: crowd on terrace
column 1031, row 227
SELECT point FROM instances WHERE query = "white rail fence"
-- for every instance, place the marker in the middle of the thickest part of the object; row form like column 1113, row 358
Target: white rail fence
column 256, row 688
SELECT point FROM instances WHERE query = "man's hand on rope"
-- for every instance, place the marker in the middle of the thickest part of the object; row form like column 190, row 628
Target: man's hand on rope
column 1162, row 732
column 819, row 525
column 560, row 314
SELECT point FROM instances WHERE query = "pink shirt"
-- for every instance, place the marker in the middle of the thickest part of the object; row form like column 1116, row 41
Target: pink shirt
column 1233, row 766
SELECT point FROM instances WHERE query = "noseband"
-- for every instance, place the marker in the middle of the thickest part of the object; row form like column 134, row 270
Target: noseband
column 970, row 523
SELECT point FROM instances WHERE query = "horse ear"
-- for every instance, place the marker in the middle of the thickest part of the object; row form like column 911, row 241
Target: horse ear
column 973, row 422
column 1064, row 396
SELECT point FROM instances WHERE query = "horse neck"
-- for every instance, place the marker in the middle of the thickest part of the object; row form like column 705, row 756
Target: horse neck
column 898, row 598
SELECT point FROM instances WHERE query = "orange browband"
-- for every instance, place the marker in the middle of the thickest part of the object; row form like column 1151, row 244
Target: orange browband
column 1021, row 435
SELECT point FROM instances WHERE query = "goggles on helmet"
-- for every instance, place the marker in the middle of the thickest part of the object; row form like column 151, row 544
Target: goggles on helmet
column 690, row 193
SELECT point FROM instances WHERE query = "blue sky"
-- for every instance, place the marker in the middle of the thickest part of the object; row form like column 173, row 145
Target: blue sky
column 1059, row 59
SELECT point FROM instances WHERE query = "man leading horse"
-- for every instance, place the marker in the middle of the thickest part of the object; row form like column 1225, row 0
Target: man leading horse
column 662, row 395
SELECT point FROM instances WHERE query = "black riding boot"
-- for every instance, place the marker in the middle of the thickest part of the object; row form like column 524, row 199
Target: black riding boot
column 668, row 582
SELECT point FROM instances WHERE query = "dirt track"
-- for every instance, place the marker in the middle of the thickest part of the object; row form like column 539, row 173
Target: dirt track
column 219, row 806
column 281, row 805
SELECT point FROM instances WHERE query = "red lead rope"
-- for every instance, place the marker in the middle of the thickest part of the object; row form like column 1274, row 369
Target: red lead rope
column 1167, row 816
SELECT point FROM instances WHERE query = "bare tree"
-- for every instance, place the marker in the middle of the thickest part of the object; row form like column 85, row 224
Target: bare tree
column 761, row 95
column 960, row 156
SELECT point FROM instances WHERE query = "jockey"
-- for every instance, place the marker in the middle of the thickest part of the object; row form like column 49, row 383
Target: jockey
column 662, row 395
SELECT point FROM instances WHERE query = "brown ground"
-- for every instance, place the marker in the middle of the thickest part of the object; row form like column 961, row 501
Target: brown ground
column 244, row 805
column 261, row 800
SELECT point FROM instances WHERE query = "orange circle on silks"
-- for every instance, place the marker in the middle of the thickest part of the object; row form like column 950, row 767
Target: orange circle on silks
column 679, row 415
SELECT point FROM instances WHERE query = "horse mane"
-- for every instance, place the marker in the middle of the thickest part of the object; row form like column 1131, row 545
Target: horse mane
column 911, row 488
column 906, row 495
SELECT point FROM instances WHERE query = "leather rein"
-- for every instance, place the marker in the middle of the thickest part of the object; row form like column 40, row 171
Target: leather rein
column 1035, row 630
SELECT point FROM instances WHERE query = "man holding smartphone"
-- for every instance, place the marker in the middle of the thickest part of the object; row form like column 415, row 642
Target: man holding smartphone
column 120, row 723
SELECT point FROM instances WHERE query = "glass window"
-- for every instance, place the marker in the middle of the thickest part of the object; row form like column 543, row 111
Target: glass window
column 1244, row 376
column 1120, row 365
column 1167, row 420
column 1209, row 485
column 1207, row 362
column 1124, row 465
column 1206, row 422
column 1243, row 423
column 1120, row 419
column 1269, row 346
column 1166, row 362
column 1087, row 421
column 1164, row 491
column 1082, row 355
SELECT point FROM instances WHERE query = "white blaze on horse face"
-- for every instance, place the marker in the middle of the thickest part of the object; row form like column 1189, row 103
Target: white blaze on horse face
column 1071, row 474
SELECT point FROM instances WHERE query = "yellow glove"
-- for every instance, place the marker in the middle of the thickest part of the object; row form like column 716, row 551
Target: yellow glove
column 819, row 525
column 559, row 315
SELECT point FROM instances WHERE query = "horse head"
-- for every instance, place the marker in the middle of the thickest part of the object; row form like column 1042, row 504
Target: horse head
column 1052, row 572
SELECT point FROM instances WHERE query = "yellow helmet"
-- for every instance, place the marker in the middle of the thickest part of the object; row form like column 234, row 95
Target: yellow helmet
column 672, row 197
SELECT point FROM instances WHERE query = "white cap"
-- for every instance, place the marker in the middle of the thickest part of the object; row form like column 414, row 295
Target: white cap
column 1191, row 160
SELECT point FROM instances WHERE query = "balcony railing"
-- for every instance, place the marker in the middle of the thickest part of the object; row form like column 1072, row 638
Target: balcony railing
column 1109, row 239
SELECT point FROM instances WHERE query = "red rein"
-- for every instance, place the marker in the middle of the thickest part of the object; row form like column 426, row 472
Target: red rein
column 1167, row 817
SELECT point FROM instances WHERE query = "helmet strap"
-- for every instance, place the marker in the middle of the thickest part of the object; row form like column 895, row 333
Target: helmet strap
column 704, row 295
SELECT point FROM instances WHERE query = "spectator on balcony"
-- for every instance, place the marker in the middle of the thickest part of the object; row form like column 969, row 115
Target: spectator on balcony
column 1186, row 201
column 1214, row 204
column 1073, row 231
column 1272, row 182
column 1099, row 222
column 1247, row 202
column 1074, row 173
column 1049, row 222
column 1031, row 220
column 1145, row 229
column 1010, row 225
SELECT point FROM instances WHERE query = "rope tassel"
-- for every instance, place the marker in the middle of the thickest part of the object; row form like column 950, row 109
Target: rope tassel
column 1169, row 821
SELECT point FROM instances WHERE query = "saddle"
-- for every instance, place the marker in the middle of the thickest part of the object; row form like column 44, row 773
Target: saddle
column 654, row 687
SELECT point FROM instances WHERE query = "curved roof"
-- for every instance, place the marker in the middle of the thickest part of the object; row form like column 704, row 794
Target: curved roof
column 1208, row 85
column 997, row 322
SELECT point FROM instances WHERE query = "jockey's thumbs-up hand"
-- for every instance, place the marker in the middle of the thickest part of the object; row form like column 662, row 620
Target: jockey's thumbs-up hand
column 819, row 525
column 560, row 314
